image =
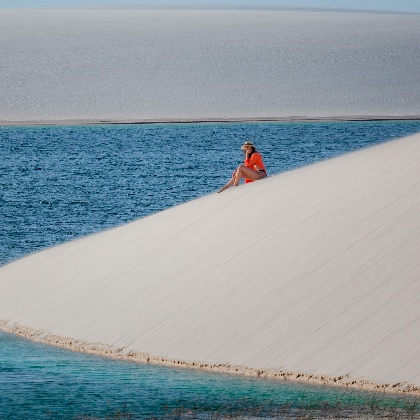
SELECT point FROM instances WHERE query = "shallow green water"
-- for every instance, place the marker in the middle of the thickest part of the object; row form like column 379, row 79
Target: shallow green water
column 38, row 381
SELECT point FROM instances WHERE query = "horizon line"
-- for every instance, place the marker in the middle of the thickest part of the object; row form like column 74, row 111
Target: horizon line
column 115, row 121
column 184, row 6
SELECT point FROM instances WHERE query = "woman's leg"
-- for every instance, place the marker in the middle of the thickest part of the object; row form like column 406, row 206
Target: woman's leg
column 248, row 173
column 229, row 184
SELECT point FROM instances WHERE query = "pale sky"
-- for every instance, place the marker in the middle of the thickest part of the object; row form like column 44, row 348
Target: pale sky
column 380, row 5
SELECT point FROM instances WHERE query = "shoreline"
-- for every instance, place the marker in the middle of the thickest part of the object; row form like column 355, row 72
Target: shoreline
column 121, row 353
column 204, row 120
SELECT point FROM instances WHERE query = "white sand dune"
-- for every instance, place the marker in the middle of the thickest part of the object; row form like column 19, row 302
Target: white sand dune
column 140, row 65
column 314, row 271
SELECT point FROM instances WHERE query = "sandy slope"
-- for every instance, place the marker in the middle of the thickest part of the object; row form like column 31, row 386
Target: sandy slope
column 314, row 271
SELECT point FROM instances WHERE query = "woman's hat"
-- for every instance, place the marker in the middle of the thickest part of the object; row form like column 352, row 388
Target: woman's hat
column 247, row 143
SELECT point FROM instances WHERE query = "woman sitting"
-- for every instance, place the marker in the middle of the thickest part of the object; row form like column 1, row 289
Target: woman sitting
column 252, row 170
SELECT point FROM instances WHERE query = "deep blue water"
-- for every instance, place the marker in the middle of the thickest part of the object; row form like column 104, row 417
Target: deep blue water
column 59, row 183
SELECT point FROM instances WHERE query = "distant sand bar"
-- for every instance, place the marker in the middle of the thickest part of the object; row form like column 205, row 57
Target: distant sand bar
column 209, row 120
column 193, row 65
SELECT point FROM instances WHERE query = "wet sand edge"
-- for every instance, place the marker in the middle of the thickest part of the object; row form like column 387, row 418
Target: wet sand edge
column 122, row 353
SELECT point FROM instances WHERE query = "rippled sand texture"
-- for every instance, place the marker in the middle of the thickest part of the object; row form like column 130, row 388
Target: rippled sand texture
column 192, row 64
column 312, row 274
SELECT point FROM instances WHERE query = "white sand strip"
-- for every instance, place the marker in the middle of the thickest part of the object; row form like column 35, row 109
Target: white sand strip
column 194, row 64
column 315, row 271
column 211, row 120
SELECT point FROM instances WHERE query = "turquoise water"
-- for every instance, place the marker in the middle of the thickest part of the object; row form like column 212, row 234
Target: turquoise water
column 39, row 381
column 59, row 183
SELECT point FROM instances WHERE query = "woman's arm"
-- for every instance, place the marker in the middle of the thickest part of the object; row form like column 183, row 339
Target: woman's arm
column 248, row 159
column 256, row 162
